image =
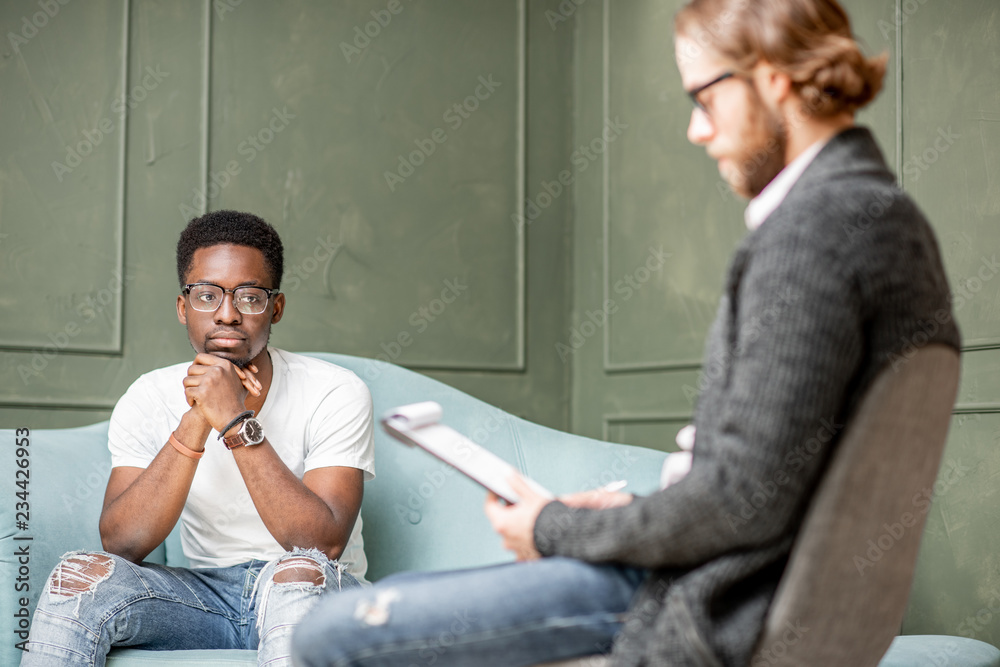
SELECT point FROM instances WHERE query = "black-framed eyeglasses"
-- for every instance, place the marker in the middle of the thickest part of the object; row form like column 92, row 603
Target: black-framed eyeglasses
column 694, row 94
column 207, row 298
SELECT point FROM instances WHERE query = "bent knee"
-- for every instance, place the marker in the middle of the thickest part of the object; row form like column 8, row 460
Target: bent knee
column 80, row 573
column 300, row 569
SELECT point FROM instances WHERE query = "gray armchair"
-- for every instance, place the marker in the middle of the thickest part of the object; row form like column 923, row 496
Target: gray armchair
column 852, row 602
column 845, row 603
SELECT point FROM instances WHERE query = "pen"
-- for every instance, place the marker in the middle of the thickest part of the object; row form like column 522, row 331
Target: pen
column 614, row 486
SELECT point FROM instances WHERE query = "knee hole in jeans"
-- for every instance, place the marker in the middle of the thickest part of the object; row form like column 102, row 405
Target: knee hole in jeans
column 300, row 570
column 80, row 573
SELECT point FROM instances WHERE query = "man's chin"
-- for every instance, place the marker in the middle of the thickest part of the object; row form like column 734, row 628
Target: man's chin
column 749, row 186
column 237, row 359
column 736, row 182
column 239, row 362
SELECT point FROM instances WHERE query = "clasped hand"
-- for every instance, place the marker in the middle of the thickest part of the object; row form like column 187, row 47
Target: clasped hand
column 217, row 389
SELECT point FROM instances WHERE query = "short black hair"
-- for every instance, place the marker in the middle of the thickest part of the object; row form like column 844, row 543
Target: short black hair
column 235, row 228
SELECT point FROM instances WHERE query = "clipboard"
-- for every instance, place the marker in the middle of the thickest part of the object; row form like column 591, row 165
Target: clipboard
column 418, row 425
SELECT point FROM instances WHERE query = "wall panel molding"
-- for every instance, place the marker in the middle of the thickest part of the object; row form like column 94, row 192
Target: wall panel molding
column 85, row 313
column 58, row 405
column 518, row 363
column 647, row 200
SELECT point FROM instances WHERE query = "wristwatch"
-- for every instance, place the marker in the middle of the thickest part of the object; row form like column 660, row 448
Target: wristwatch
column 250, row 433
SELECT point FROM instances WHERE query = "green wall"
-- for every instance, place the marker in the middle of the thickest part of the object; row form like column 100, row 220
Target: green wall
column 584, row 240
column 393, row 163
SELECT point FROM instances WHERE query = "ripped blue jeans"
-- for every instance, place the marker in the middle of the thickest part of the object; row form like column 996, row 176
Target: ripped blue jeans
column 95, row 601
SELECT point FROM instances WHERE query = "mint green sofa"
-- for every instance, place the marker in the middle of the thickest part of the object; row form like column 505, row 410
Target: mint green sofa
column 418, row 513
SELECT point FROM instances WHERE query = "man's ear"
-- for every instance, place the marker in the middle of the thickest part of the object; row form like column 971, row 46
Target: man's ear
column 182, row 309
column 773, row 85
column 279, row 308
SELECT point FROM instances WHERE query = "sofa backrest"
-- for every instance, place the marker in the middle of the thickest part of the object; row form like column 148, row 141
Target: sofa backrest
column 419, row 514
column 66, row 471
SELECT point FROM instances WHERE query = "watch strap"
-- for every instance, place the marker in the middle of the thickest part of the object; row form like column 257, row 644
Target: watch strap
column 234, row 441
column 239, row 439
column 237, row 419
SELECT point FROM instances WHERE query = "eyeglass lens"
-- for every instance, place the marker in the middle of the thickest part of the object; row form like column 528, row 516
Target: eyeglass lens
column 248, row 300
column 696, row 94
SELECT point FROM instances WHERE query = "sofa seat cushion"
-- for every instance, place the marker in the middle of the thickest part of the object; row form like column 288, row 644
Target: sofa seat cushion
column 130, row 657
column 933, row 650
column 907, row 651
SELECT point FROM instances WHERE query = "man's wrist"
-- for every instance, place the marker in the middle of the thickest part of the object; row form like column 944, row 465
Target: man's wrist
column 546, row 532
column 235, row 423
column 248, row 432
column 193, row 430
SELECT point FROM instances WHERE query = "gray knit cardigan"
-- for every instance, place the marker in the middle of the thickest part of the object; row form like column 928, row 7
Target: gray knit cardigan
column 840, row 282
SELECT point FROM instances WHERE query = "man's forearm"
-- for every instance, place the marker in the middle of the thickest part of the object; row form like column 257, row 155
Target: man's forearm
column 291, row 512
column 140, row 512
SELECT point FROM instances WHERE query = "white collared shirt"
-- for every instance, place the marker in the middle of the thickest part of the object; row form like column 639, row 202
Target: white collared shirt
column 770, row 198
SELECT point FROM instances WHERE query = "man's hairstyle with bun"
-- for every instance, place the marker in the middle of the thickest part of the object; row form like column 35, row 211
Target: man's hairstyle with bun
column 809, row 40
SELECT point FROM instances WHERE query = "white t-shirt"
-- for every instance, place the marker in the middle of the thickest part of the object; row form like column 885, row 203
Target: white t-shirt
column 316, row 414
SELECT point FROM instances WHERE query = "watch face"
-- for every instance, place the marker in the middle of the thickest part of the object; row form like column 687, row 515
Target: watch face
column 253, row 431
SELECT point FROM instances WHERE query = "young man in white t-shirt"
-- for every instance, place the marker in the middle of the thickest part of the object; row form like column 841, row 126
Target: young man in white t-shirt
column 260, row 453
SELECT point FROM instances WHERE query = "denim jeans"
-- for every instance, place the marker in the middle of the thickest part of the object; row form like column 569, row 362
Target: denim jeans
column 94, row 601
column 505, row 615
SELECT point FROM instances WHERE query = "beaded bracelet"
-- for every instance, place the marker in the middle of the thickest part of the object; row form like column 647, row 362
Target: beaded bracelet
column 238, row 418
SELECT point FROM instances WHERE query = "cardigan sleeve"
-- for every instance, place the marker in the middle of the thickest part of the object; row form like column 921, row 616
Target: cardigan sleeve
column 788, row 361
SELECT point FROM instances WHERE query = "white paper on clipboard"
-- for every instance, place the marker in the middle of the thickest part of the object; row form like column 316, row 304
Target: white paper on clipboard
column 419, row 424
